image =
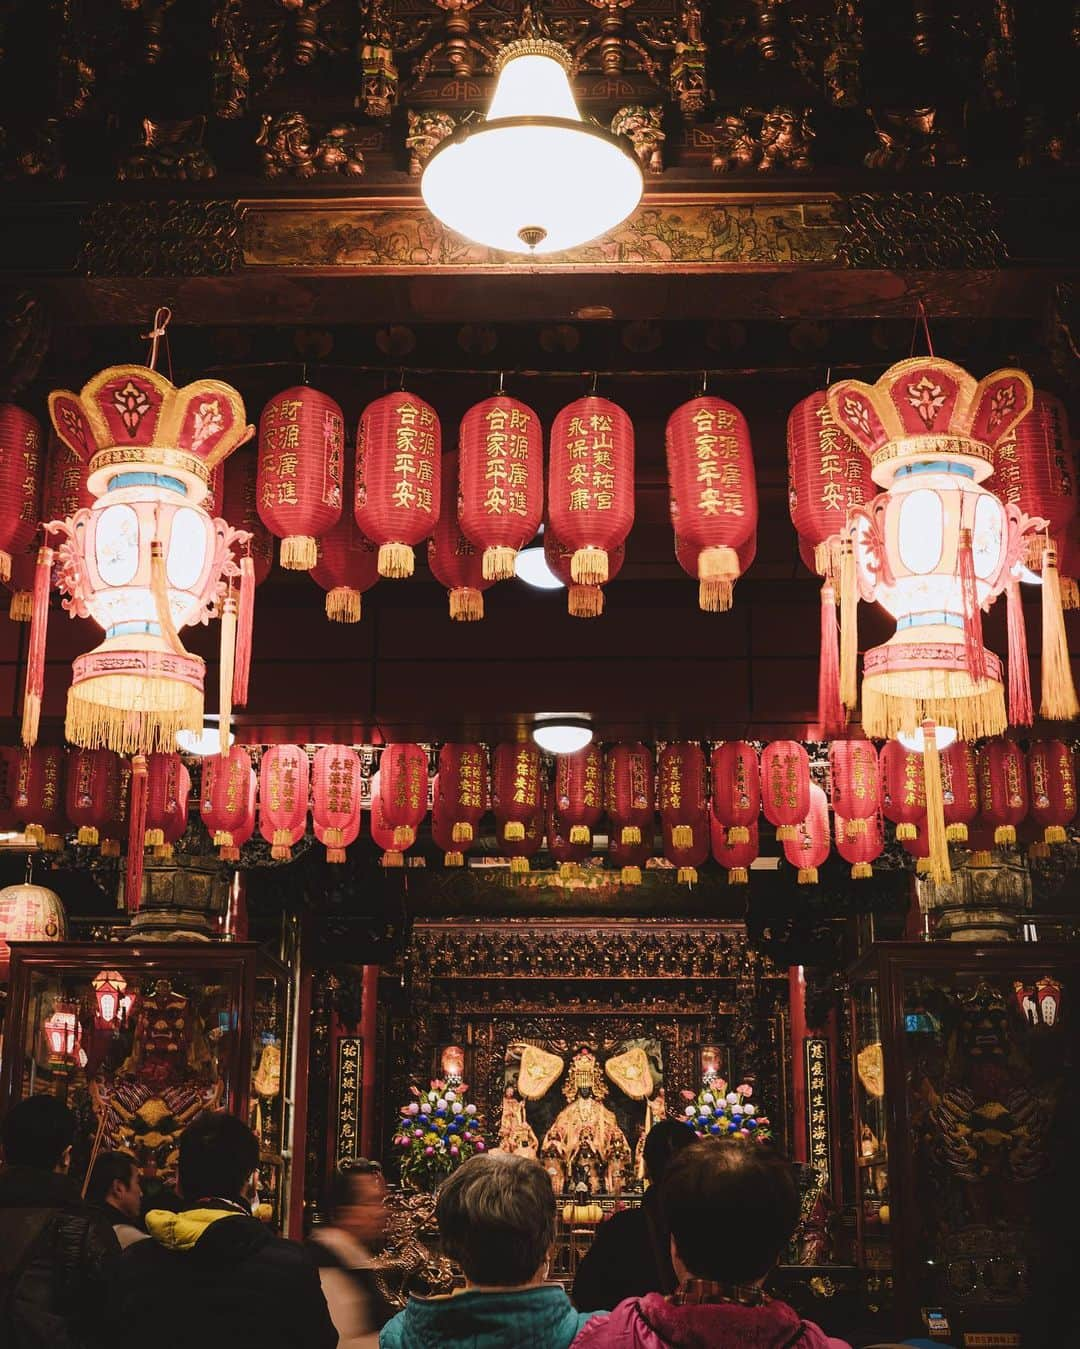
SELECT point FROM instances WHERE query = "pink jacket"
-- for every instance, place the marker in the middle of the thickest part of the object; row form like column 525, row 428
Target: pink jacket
column 654, row 1323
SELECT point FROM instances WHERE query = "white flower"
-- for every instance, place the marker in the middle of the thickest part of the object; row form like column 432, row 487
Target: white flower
column 749, row 1109
column 708, row 1097
column 440, row 1104
column 690, row 1110
column 450, row 1095
column 470, row 1110
column 456, row 1107
column 732, row 1098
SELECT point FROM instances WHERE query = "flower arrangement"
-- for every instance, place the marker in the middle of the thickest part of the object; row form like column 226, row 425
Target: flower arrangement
column 716, row 1112
column 437, row 1131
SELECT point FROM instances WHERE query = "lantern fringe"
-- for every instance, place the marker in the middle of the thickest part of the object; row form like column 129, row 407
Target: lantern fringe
column 831, row 716
column 230, row 853
column 589, row 566
column 922, row 866
column 462, row 832
column 1020, row 709
column 580, row 833
column 956, row 833
column 333, row 838
column 497, row 564
column 981, row 857
column 1005, row 835
column 87, row 836
column 568, row 870
column 5, row 566
column 110, row 847
column 52, row 843
column 738, row 833
column 392, row 859
column 132, row 714
column 466, row 605
column 849, row 627
column 164, row 851
column 153, row 838
column 906, row 830
column 159, row 591
column 35, row 833
column 299, row 552
column 226, row 673
column 718, row 564
column 35, row 656
column 513, row 831
column 937, row 835
column 629, row 833
column 343, row 605
column 404, row 836
column 584, row 601
column 738, row 876
column 223, row 838
column 245, row 619
column 945, row 697
column 1058, row 691
column 1055, row 834
column 396, row 561
column 861, row 871
column 715, row 596
column 808, row 876
column 974, row 651
column 855, row 828
column 519, row 866
column 1039, row 850
column 827, row 556
column 21, row 608
column 335, row 856
column 786, row 831
column 1070, row 593
column 281, row 852
column 682, row 836
column 630, row 876
column 687, row 876
column 454, row 859
column 136, row 832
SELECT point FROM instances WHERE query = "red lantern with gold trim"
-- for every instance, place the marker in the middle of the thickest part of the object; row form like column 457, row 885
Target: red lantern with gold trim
column 591, row 484
column 681, row 794
column 860, row 849
column 175, row 822
column 443, row 826
column 382, row 832
column 713, row 595
column 462, row 789
column 959, row 789
column 578, row 799
column 853, row 772
column 785, row 786
column 517, row 790
column 93, row 781
column 335, row 798
column 520, row 850
column 582, row 601
column 1052, row 783
column 20, row 482
column 283, row 798
column 240, row 500
column 735, row 856
column 500, row 481
column 713, row 488
column 809, row 849
column 1034, row 469
column 114, row 830
column 347, row 833
column 39, row 794
column 301, row 454
column 828, row 475
column 630, row 793
column 736, row 789
column 348, row 565
column 455, row 562
column 903, row 788
column 164, row 788
column 686, row 857
column 1003, row 797
column 567, row 854
column 403, row 775
column 398, row 477
column 227, row 803
column 628, row 858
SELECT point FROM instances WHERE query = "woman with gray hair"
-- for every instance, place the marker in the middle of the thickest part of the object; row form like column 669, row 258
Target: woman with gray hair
column 496, row 1217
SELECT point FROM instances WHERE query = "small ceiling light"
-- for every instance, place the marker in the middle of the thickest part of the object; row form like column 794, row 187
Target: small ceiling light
column 530, row 566
column 944, row 735
column 561, row 732
column 206, row 741
column 533, row 176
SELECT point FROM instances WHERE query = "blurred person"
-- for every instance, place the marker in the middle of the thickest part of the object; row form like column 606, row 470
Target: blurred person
column 115, row 1190
column 344, row 1249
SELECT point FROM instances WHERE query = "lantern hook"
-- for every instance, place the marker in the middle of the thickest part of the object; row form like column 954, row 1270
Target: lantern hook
column 401, row 384
column 593, row 382
column 703, row 387
column 920, row 317
column 162, row 318
column 502, row 376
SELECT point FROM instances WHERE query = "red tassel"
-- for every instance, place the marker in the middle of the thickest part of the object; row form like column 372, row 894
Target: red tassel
column 974, row 650
column 244, row 620
column 136, row 833
column 831, row 715
column 1021, row 712
column 35, row 659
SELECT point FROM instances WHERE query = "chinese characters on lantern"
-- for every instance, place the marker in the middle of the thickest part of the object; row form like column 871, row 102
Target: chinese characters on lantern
column 279, row 437
column 526, row 784
column 818, row 1119
column 840, row 465
column 590, row 451
column 506, row 455
column 717, row 452
column 341, row 784
column 471, row 785
column 414, row 449
column 350, row 1059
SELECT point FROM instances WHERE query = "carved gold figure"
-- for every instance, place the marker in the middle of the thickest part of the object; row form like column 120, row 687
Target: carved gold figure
column 585, row 1144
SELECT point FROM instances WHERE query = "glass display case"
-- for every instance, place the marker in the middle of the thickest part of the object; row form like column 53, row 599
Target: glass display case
column 965, row 1102
column 140, row 1039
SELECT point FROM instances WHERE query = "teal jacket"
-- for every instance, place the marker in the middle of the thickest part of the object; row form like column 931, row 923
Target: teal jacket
column 541, row 1318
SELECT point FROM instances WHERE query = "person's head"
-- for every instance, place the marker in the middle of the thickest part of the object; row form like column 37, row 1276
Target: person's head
column 357, row 1201
column 666, row 1138
column 39, row 1132
column 115, row 1181
column 219, row 1156
column 735, row 1176
column 496, row 1216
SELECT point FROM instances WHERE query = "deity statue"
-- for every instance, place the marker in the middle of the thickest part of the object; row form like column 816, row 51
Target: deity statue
column 585, row 1144
column 515, row 1133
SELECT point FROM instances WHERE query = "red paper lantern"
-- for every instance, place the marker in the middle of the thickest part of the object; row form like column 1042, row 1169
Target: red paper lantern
column 713, row 595
column 686, row 857
column 462, row 789
column 382, row 832
column 582, row 601
column 903, row 788
column 828, row 475
column 443, row 826
column 809, row 849
column 1034, row 469
column 335, row 798
column 163, row 792
column 227, row 804
column 301, row 453
column 174, row 821
column 1003, row 797
column 853, row 771
column 20, row 482
column 860, row 849
column 735, row 855
column 736, row 789
column 959, row 789
column 713, row 488
column 630, row 793
column 456, row 562
column 403, row 775
column 785, row 786
column 564, row 851
column 114, row 830
column 398, row 477
column 629, row 858
column 591, row 484
column 240, row 502
column 93, row 781
column 39, row 794
column 500, row 481
column 579, row 793
column 348, row 565
column 1052, row 783
column 681, row 793
column 517, row 790
column 520, row 850
column 283, row 798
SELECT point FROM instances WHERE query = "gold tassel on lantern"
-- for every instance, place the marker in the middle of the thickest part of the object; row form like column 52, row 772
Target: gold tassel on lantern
column 519, row 866
column 589, row 566
column 861, row 871
column 343, row 605
column 466, row 605
column 738, row 876
column 686, row 875
column 1039, row 850
column 21, row 608
column 630, row 876
column 87, row 836
column 738, row 833
column 718, row 570
column 404, row 836
column 497, row 563
column 392, row 858
column 584, row 601
column 454, row 859
column 333, row 838
column 1055, row 833
column 1005, row 835
column 153, row 838
column 281, row 845
column 956, row 833
column 682, row 836
column 1058, row 691
column 849, row 627
column 580, row 833
column 462, row 832
column 513, row 831
column 335, row 856
column 905, row 830
column 715, row 597
column 299, row 552
column 938, row 857
column 163, row 851
column 630, row 834
column 223, row 838
column 396, row 561
column 808, row 876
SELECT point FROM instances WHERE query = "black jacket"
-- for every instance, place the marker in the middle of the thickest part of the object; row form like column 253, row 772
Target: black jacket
column 56, row 1256
column 218, row 1279
column 629, row 1257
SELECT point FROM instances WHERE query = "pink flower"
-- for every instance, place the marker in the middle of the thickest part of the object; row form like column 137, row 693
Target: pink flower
column 429, row 1152
column 415, row 1091
column 744, row 1090
column 480, row 1145
column 418, row 1133
column 688, row 1095
column 453, row 1152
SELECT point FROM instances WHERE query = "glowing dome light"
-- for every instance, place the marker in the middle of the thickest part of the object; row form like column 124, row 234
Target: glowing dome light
column 533, row 177
column 916, row 741
column 562, row 733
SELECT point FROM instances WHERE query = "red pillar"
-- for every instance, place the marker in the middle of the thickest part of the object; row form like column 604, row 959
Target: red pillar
column 369, row 1006
column 797, row 1004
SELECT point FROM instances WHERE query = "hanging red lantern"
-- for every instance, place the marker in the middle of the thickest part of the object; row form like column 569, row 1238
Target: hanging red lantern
column 283, row 798
column 578, row 799
column 736, row 856
column 809, row 849
column 629, row 858
column 785, row 786
column 114, row 829
column 1003, row 797
column 500, row 482
column 591, row 484
column 403, row 775
column 301, row 454
column 93, row 780
column 39, row 794
column 828, row 475
column 853, row 772
column 463, row 789
column 714, row 596
column 569, row 855
column 240, row 494
column 903, row 788
column 228, row 799
column 348, row 565
column 736, row 789
column 456, row 562
column 398, row 477
column 630, row 793
column 443, row 826
column 686, row 857
column 517, row 789
column 1052, row 783
column 175, row 821
column 681, row 794
column 335, row 798
column 520, row 850
column 582, row 601
column 20, row 482
column 163, row 796
column 712, row 487
column 959, row 789
column 860, row 849
column 382, row 832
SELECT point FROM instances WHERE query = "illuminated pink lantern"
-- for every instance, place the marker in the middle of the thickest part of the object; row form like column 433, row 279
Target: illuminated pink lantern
column 735, row 856
column 860, row 849
column 809, row 849
column 28, row 912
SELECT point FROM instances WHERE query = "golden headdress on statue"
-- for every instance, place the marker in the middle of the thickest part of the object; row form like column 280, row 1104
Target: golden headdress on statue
column 631, row 1073
column 584, row 1071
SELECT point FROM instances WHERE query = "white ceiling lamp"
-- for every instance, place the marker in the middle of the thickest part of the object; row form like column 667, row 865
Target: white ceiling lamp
column 944, row 735
column 530, row 566
column 206, row 741
column 562, row 732
column 532, row 177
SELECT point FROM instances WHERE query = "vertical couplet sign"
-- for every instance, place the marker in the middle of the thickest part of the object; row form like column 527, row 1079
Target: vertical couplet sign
column 818, row 1115
column 350, row 1059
